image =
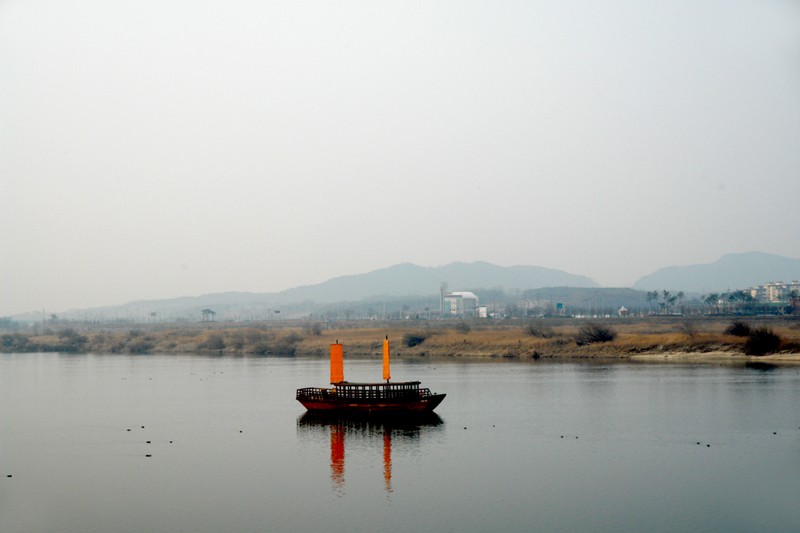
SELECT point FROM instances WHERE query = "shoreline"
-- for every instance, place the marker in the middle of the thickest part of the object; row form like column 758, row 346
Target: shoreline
column 701, row 341
column 787, row 359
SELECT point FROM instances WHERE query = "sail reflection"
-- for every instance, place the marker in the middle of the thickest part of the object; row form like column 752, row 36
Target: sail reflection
column 365, row 433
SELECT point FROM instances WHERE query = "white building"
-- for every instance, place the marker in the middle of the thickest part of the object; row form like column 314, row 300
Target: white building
column 774, row 291
column 459, row 304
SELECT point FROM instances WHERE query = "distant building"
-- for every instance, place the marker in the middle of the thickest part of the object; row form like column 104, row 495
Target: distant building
column 463, row 304
column 623, row 311
column 774, row 291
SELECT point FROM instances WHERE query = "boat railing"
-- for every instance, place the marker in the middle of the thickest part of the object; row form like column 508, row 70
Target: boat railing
column 361, row 393
column 315, row 393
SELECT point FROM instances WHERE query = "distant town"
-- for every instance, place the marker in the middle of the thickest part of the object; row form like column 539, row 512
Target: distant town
column 771, row 299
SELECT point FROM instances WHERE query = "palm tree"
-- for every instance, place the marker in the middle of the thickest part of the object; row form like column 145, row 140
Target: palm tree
column 666, row 294
column 651, row 296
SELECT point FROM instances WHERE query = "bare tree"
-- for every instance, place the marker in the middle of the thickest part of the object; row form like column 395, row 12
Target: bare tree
column 712, row 300
column 690, row 326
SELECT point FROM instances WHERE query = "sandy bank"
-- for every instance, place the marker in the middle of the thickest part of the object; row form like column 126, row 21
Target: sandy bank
column 717, row 357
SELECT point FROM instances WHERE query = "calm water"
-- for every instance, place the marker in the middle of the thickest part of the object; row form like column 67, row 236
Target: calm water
column 515, row 447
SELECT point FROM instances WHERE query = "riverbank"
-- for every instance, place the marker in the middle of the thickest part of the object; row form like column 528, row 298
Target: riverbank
column 651, row 339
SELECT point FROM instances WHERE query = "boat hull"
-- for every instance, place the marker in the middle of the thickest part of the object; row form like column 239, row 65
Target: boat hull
column 426, row 404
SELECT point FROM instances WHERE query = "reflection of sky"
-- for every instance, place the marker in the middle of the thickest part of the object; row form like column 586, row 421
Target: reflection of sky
column 228, row 452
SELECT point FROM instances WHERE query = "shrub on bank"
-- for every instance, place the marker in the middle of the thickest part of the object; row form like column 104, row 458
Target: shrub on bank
column 267, row 344
column 17, row 342
column 690, row 326
column 213, row 342
column 762, row 341
column 414, row 339
column 738, row 329
column 140, row 345
column 463, row 327
column 314, row 328
column 592, row 332
column 70, row 341
column 286, row 344
column 235, row 340
column 256, row 336
column 538, row 329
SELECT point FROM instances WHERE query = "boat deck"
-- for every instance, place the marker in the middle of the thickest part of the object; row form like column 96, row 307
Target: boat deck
column 409, row 390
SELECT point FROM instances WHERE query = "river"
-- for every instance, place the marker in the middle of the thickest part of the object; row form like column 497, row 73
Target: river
column 97, row 443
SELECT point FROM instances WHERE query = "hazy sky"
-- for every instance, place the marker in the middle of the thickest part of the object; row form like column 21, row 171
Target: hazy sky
column 155, row 149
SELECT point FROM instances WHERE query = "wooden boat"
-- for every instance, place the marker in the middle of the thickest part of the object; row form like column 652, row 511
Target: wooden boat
column 381, row 397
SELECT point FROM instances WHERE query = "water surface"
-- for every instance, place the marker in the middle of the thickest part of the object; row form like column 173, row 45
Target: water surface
column 515, row 447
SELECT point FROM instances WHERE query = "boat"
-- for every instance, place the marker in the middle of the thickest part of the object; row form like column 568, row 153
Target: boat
column 385, row 397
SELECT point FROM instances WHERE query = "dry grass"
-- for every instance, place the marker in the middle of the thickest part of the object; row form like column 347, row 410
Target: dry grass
column 484, row 340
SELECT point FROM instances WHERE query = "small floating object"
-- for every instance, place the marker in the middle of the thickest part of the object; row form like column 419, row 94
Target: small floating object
column 148, row 455
column 708, row 446
column 142, row 427
column 148, row 442
column 129, row 430
column 8, row 475
column 774, row 432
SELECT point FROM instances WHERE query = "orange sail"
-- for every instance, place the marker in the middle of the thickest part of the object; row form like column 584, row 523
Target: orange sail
column 386, row 359
column 337, row 363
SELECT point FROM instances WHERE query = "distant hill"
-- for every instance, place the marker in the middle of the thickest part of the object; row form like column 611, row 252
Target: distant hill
column 409, row 279
column 403, row 282
column 592, row 298
column 731, row 271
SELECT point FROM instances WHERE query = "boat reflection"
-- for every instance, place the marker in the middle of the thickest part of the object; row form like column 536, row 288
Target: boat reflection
column 368, row 433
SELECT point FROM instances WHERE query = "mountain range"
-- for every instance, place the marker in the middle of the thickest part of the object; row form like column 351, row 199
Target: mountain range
column 730, row 272
column 409, row 279
column 408, row 282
